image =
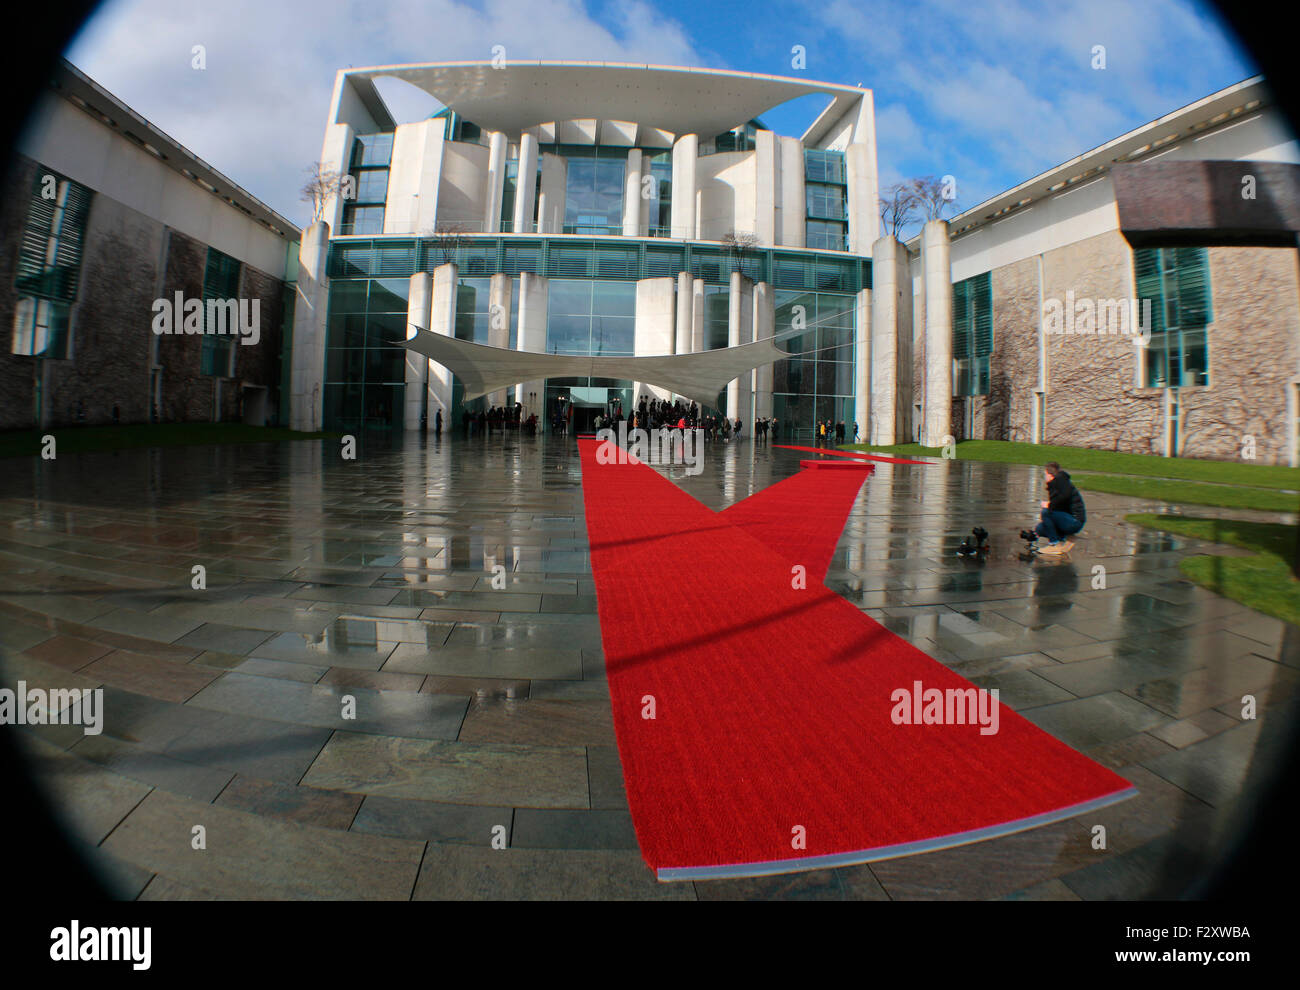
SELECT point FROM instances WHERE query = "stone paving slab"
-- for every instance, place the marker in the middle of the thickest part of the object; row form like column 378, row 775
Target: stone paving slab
column 465, row 873
column 453, row 772
column 254, row 857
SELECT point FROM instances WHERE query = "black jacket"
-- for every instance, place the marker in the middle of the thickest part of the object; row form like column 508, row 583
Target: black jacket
column 1062, row 496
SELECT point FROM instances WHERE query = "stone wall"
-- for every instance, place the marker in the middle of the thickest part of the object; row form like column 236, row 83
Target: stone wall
column 1254, row 343
column 17, row 373
column 1094, row 395
column 106, row 377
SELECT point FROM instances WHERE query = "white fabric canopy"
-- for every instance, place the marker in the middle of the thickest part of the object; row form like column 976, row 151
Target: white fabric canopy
column 699, row 376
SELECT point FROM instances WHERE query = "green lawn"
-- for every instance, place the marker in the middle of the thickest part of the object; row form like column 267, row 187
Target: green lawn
column 74, row 439
column 1229, row 484
column 1265, row 581
column 1084, row 459
column 1190, row 493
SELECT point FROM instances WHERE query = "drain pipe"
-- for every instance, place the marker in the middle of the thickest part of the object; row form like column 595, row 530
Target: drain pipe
column 1040, row 417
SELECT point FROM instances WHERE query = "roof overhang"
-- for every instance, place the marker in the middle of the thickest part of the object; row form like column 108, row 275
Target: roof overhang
column 699, row 376
column 515, row 96
column 1167, row 203
column 1220, row 109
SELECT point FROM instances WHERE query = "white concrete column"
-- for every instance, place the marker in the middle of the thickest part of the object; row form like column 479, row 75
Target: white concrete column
column 500, row 289
column 526, row 184
column 891, row 320
column 655, row 311
column 442, row 319
column 336, row 154
column 699, row 337
column 793, row 208
column 498, row 148
column 534, row 292
column 863, row 207
column 550, row 205
column 418, row 308
column 740, row 330
column 633, row 202
column 307, row 375
column 685, row 284
column 862, row 366
column 411, row 204
column 686, row 151
column 764, row 327
column 936, row 269
column 765, row 188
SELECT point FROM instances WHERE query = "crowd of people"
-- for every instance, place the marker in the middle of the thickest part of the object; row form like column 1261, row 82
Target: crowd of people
column 499, row 418
column 828, row 432
column 652, row 414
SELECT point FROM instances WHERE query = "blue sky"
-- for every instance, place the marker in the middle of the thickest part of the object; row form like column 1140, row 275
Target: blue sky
column 991, row 93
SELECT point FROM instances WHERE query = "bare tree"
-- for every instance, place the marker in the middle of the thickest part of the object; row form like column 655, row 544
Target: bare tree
column 447, row 239
column 932, row 196
column 738, row 245
column 898, row 207
column 321, row 186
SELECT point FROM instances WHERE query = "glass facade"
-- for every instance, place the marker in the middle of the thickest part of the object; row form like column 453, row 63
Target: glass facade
column 659, row 208
column 365, row 373
column 826, row 193
column 591, row 317
column 1177, row 281
column 368, row 178
column 818, row 384
column 593, row 192
column 591, row 309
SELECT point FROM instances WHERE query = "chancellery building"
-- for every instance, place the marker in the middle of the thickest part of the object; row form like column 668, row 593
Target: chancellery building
column 604, row 210
column 1140, row 297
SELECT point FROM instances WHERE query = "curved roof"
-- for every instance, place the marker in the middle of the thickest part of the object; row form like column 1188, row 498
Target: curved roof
column 519, row 95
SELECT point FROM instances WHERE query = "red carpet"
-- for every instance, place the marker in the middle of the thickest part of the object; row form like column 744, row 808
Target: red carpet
column 801, row 518
column 851, row 453
column 773, row 705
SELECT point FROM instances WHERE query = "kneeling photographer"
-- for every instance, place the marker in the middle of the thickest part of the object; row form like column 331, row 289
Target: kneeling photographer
column 1063, row 512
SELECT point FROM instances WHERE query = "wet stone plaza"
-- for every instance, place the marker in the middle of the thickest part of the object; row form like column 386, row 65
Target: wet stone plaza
column 482, row 713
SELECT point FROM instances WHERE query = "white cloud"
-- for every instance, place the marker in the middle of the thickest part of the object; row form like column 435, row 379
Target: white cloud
column 257, row 112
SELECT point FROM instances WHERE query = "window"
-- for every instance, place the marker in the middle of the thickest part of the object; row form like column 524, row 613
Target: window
column 364, row 212
column 659, row 208
column 593, row 194
column 220, row 282
column 1177, row 282
column 972, row 334
column 508, row 187
column 824, row 166
column 825, row 201
column 49, row 264
column 591, row 317
column 827, row 198
column 41, row 328
column 826, row 235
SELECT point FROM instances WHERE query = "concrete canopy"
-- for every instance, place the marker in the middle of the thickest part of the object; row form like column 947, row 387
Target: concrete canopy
column 517, row 96
column 699, row 376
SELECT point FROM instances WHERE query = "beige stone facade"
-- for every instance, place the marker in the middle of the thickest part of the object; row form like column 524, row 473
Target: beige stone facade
column 1095, row 396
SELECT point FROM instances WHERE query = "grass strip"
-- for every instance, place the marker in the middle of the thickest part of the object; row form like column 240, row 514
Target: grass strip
column 1263, row 581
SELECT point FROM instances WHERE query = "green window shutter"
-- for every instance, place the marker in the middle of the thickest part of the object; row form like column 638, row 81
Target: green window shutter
column 1193, row 273
column 961, row 335
column 981, row 306
column 49, row 254
column 1150, row 284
